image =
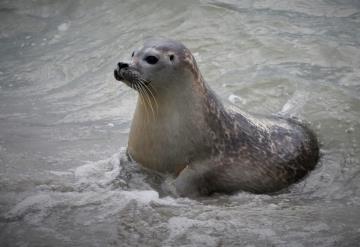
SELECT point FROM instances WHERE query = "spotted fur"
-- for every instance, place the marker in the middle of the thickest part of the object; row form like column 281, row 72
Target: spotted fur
column 208, row 147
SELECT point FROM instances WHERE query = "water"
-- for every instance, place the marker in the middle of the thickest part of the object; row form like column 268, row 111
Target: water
column 64, row 120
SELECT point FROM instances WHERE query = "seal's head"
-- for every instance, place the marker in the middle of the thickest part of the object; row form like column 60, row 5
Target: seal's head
column 162, row 63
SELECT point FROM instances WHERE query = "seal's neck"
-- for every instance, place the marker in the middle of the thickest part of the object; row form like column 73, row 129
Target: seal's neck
column 176, row 126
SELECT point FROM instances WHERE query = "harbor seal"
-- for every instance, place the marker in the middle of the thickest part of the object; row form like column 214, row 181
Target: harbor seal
column 180, row 127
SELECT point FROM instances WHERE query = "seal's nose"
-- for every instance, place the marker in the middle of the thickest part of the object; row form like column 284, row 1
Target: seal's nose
column 117, row 71
column 122, row 65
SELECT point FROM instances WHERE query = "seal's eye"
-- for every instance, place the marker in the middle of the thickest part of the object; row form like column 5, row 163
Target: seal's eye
column 133, row 54
column 171, row 57
column 151, row 59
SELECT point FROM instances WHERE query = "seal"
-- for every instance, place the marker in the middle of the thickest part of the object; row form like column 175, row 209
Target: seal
column 180, row 127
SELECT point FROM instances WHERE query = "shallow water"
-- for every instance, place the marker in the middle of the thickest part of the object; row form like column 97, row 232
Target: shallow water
column 64, row 120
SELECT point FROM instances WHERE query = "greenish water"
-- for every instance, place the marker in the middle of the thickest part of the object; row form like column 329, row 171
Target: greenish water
column 64, row 120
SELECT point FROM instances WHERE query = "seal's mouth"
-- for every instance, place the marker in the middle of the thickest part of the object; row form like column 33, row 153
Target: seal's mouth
column 129, row 76
column 117, row 75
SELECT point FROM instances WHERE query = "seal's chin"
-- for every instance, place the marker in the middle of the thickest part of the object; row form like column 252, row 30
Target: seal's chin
column 122, row 76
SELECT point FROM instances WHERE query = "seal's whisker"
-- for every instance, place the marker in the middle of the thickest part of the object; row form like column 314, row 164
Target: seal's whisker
column 147, row 99
column 148, row 88
column 142, row 98
column 146, row 93
column 151, row 89
column 154, row 99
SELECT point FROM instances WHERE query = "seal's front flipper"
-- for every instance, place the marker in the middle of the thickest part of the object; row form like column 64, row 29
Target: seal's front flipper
column 191, row 182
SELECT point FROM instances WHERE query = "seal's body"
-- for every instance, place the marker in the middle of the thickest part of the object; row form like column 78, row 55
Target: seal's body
column 180, row 127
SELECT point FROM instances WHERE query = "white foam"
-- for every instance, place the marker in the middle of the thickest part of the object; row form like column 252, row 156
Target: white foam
column 63, row 27
column 179, row 225
column 100, row 174
column 92, row 190
column 37, row 205
column 182, row 226
column 295, row 104
column 236, row 99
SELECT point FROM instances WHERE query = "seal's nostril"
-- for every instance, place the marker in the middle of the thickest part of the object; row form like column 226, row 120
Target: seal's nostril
column 122, row 65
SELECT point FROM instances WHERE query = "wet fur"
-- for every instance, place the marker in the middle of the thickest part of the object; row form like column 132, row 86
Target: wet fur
column 209, row 148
